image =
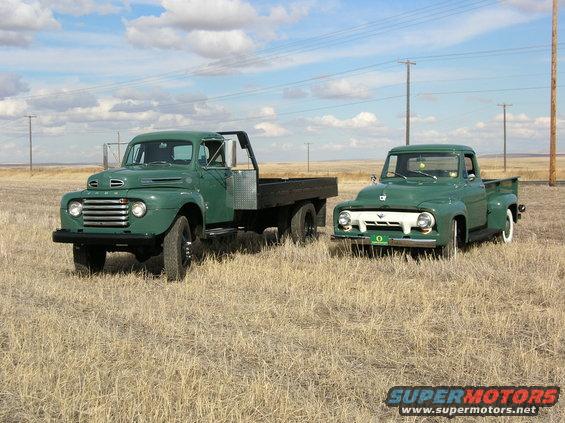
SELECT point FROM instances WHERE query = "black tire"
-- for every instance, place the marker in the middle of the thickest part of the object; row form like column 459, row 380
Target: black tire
column 177, row 250
column 449, row 250
column 303, row 224
column 89, row 259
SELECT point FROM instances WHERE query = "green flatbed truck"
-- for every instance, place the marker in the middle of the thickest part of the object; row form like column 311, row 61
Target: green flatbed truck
column 175, row 188
column 430, row 196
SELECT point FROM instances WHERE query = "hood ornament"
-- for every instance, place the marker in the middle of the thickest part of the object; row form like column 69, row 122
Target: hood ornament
column 382, row 197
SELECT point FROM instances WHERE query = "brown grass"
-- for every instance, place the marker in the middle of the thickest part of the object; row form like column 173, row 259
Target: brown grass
column 269, row 333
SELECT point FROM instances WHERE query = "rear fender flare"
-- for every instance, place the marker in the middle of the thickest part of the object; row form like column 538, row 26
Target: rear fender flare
column 497, row 207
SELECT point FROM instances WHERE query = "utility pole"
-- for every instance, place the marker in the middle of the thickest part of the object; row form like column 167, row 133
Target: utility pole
column 308, row 154
column 553, row 119
column 30, row 117
column 408, row 63
column 504, row 106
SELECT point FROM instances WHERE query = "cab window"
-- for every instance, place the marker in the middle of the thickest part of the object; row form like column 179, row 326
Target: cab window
column 212, row 153
column 470, row 168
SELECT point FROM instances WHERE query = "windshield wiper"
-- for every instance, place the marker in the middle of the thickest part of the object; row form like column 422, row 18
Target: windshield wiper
column 158, row 162
column 425, row 174
column 397, row 174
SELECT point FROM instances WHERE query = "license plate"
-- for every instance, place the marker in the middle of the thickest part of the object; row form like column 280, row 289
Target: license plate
column 379, row 239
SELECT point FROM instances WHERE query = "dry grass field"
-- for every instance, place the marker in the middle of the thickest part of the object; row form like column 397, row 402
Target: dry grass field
column 269, row 333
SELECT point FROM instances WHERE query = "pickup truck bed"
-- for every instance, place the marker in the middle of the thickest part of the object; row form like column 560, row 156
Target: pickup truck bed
column 501, row 186
column 275, row 192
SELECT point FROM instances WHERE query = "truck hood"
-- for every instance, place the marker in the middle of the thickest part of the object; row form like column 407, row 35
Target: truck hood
column 405, row 194
column 139, row 177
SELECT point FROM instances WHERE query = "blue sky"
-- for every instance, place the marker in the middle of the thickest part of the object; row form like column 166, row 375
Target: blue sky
column 325, row 72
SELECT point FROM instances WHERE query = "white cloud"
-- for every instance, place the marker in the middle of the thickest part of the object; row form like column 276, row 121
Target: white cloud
column 422, row 119
column 21, row 20
column 217, row 44
column 265, row 112
column 533, row 6
column 271, row 129
column 362, row 120
column 293, row 93
column 341, row 88
column 63, row 100
column 11, row 84
column 210, row 28
column 12, row 107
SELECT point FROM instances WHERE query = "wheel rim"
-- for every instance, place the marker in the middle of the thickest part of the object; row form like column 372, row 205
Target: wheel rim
column 186, row 248
column 508, row 232
column 309, row 226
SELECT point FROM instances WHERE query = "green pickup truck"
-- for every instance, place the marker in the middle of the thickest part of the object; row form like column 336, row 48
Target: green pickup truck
column 175, row 188
column 430, row 196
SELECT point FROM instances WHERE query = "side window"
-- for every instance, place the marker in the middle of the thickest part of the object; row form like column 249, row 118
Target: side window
column 212, row 150
column 470, row 165
column 182, row 154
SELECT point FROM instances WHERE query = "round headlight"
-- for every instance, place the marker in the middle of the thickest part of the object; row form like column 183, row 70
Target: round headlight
column 425, row 220
column 75, row 208
column 344, row 218
column 138, row 209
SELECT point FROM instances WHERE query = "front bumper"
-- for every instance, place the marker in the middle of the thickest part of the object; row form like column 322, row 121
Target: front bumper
column 117, row 240
column 392, row 242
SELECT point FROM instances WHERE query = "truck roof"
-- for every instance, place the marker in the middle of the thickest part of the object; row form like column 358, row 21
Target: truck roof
column 176, row 135
column 448, row 148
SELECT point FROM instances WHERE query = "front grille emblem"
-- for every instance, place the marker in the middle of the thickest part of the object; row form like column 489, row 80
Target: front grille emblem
column 380, row 215
column 382, row 197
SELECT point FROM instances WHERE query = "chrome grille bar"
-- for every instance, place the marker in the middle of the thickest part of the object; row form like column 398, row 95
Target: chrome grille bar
column 110, row 212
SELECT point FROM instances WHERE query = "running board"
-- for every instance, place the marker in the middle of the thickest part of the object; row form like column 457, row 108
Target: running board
column 211, row 233
column 482, row 234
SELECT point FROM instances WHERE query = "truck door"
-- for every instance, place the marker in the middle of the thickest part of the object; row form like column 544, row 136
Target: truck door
column 474, row 193
column 213, row 182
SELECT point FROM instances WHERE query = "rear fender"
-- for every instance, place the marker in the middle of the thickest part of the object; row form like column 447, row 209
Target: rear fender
column 497, row 207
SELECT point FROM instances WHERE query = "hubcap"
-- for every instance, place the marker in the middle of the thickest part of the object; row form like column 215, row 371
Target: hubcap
column 186, row 249
column 309, row 226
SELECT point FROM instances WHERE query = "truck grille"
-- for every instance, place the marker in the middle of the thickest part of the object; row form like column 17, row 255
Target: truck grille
column 111, row 212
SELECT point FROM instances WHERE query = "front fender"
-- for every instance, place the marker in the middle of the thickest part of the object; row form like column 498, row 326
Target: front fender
column 163, row 198
column 497, row 207
column 444, row 212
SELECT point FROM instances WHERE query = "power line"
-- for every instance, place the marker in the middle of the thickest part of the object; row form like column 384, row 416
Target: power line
column 462, row 7
column 496, row 90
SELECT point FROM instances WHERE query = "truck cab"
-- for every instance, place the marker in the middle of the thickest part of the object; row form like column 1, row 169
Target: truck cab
column 430, row 196
column 176, row 187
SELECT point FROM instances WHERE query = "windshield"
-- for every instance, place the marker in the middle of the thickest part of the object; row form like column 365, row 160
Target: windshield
column 160, row 152
column 422, row 165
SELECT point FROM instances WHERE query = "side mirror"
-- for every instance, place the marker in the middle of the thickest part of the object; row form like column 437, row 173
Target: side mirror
column 472, row 177
column 231, row 153
column 373, row 178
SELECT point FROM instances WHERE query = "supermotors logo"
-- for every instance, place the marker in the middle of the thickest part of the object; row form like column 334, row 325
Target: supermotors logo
column 453, row 401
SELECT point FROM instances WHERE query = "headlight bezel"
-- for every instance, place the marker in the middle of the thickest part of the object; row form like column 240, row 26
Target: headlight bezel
column 75, row 205
column 427, row 219
column 138, row 204
column 347, row 221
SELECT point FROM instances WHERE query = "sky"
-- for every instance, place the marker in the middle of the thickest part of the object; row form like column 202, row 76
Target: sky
column 288, row 73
